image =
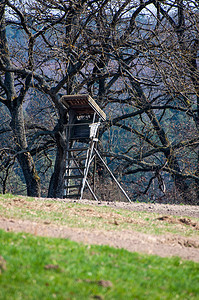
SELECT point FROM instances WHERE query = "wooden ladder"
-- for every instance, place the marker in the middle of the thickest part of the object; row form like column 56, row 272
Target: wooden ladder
column 75, row 166
column 78, row 161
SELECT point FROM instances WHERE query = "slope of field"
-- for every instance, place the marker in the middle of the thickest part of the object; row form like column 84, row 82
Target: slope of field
column 164, row 230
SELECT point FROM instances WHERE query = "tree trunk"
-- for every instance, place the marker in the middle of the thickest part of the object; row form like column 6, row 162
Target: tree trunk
column 185, row 190
column 56, row 187
column 15, row 107
column 24, row 157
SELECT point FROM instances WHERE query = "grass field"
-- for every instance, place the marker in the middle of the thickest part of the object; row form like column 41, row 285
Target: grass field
column 85, row 216
column 33, row 267
column 45, row 268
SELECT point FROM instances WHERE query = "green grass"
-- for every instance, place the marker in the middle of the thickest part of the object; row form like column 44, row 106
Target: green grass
column 86, row 216
column 47, row 268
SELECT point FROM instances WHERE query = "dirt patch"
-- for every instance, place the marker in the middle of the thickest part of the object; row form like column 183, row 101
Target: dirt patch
column 103, row 283
column 184, row 221
column 2, row 264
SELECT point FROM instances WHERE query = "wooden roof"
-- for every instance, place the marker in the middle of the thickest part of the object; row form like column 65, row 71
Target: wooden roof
column 82, row 105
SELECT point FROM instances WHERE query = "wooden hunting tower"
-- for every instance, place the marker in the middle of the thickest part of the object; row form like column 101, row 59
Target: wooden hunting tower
column 84, row 118
column 82, row 129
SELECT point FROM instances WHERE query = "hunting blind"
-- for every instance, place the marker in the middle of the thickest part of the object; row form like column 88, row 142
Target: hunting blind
column 84, row 119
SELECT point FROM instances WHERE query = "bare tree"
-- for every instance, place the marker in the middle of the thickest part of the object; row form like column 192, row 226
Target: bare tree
column 13, row 98
column 137, row 59
column 160, row 78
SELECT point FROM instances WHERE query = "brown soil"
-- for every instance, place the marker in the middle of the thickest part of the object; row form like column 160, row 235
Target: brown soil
column 163, row 245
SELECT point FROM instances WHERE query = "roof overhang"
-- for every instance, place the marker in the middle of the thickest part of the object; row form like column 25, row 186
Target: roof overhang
column 82, row 105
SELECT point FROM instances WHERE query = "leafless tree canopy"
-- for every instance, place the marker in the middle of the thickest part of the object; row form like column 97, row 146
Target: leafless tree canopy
column 137, row 59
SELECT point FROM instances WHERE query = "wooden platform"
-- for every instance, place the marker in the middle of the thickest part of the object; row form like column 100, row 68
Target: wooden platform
column 82, row 104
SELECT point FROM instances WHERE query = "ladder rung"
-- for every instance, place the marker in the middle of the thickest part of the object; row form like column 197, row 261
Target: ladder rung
column 78, row 124
column 74, row 168
column 74, row 176
column 75, row 138
column 76, row 158
column 77, row 149
column 73, row 186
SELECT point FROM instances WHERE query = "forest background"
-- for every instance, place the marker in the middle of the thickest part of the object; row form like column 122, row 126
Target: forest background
column 137, row 59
